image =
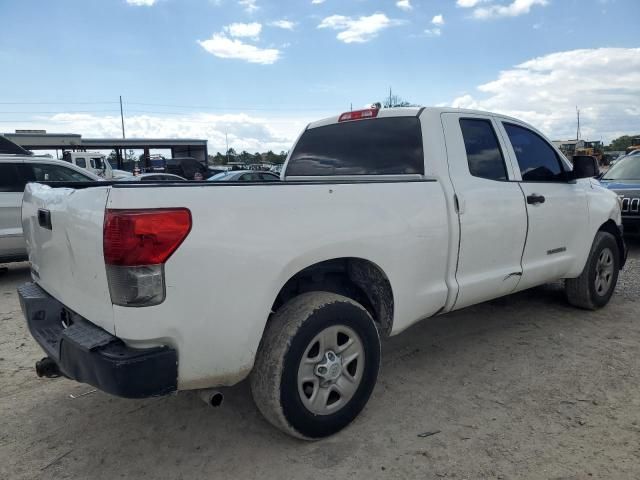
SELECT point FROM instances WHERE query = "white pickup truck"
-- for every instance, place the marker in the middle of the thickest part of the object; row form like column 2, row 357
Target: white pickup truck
column 382, row 218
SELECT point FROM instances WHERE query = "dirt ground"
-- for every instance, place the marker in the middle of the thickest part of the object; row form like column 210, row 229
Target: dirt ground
column 522, row 387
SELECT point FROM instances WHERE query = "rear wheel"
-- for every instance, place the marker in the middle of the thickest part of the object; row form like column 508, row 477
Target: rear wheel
column 317, row 365
column 595, row 285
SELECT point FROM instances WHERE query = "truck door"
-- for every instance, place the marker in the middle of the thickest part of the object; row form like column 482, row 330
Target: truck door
column 491, row 209
column 556, row 206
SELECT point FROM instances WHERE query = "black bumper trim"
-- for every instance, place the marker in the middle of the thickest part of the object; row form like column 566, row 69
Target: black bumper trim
column 89, row 354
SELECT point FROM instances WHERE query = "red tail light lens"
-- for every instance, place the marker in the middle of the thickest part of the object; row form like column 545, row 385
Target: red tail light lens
column 144, row 237
column 359, row 114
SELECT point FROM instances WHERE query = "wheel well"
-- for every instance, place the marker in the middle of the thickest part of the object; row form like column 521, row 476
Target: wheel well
column 356, row 278
column 610, row 227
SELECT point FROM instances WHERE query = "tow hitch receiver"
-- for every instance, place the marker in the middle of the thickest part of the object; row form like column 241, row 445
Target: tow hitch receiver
column 47, row 368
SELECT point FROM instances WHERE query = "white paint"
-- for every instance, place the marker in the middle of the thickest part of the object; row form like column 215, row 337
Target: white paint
column 247, row 241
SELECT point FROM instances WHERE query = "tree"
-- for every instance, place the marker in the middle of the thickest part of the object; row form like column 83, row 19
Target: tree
column 244, row 156
column 622, row 143
column 218, row 159
column 393, row 100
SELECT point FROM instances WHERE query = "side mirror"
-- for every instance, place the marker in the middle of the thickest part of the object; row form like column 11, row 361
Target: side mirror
column 585, row 166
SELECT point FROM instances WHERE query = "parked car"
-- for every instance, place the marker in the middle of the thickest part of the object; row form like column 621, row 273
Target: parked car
column 384, row 218
column 245, row 176
column 155, row 177
column 96, row 163
column 624, row 179
column 15, row 172
column 635, row 154
column 185, row 167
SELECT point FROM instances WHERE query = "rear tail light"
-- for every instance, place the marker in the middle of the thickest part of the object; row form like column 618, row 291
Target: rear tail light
column 136, row 245
column 358, row 115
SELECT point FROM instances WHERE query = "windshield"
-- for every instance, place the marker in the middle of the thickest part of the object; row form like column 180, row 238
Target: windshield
column 626, row 169
column 98, row 162
column 218, row 176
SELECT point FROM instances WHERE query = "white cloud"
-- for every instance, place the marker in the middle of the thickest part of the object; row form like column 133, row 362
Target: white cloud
column 437, row 21
column 284, row 24
column 404, row 5
column 141, row 3
column 604, row 83
column 224, row 47
column 249, row 6
column 357, row 30
column 469, row 3
column 245, row 131
column 251, row 30
column 317, row 2
column 513, row 9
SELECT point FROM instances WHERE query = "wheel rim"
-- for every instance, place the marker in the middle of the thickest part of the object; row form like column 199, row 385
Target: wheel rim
column 331, row 370
column 604, row 272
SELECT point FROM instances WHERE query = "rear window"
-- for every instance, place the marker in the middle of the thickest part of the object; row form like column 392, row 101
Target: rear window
column 381, row 146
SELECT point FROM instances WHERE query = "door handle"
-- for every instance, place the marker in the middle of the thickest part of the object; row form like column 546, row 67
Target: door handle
column 534, row 199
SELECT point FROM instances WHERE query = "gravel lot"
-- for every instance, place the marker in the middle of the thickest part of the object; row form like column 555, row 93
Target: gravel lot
column 521, row 387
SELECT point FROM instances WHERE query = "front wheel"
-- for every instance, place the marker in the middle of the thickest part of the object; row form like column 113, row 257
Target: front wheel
column 317, row 365
column 595, row 285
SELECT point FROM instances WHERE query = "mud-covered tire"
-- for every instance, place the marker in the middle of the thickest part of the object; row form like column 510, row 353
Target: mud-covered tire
column 585, row 291
column 287, row 341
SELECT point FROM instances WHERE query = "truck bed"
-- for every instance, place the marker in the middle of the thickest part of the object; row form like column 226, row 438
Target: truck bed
column 246, row 238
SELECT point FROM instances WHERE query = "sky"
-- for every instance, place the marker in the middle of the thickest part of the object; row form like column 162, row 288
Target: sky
column 255, row 72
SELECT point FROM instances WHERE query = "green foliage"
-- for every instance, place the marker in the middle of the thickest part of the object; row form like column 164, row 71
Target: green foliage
column 248, row 158
column 623, row 142
column 392, row 101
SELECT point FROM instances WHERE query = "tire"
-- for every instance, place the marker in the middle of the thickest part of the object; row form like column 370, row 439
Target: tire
column 597, row 282
column 295, row 382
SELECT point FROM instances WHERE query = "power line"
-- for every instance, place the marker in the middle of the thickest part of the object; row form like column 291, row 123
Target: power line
column 55, row 112
column 217, row 107
column 56, row 103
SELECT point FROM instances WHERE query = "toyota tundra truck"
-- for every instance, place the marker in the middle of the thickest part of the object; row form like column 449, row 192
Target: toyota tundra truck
column 382, row 218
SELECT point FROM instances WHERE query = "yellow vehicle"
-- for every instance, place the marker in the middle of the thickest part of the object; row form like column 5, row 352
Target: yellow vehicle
column 635, row 145
column 592, row 149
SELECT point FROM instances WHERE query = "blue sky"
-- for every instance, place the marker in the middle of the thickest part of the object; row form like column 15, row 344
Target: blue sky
column 258, row 70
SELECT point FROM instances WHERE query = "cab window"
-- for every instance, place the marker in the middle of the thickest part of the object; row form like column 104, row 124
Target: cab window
column 484, row 155
column 42, row 172
column 537, row 160
column 380, row 146
column 81, row 162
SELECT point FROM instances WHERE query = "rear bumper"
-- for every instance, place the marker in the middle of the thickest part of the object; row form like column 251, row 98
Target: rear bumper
column 88, row 354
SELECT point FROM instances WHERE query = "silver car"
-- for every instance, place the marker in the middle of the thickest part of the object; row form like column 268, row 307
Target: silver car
column 15, row 172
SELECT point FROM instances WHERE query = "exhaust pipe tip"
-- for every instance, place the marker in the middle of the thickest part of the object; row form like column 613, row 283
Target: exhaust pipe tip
column 47, row 368
column 213, row 398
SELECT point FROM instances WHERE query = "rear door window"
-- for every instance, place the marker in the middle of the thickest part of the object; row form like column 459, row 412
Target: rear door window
column 266, row 177
column 483, row 150
column 10, row 178
column 81, row 162
column 538, row 161
column 380, row 146
column 42, row 172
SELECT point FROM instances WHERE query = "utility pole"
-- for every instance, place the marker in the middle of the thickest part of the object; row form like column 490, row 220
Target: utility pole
column 578, row 129
column 226, row 138
column 390, row 105
column 122, row 117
